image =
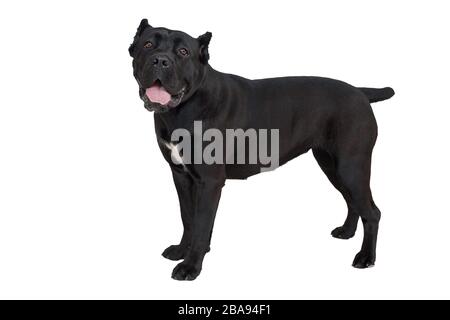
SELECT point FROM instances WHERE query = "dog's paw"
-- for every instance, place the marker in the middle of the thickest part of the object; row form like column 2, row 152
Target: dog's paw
column 364, row 260
column 175, row 252
column 342, row 233
column 185, row 271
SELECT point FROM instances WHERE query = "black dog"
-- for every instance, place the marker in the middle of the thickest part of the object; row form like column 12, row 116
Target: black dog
column 332, row 118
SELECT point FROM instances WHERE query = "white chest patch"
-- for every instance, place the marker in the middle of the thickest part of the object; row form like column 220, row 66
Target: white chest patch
column 175, row 153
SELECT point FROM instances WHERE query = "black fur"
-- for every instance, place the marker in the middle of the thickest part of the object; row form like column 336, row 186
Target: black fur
column 203, row 41
column 376, row 95
column 329, row 117
column 142, row 26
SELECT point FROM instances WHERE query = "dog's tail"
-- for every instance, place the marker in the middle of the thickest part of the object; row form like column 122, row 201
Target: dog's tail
column 375, row 95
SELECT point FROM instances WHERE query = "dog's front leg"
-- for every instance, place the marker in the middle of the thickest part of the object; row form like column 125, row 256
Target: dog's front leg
column 207, row 198
column 186, row 194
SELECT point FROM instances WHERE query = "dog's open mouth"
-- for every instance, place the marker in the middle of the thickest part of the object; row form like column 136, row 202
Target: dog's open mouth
column 157, row 98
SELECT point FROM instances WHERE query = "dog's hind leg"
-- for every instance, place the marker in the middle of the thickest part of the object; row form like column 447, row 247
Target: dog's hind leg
column 353, row 172
column 329, row 166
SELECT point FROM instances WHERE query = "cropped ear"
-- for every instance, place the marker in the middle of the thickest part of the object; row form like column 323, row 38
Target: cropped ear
column 142, row 26
column 203, row 41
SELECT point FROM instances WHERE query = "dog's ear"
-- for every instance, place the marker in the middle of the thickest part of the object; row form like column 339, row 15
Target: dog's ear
column 203, row 41
column 142, row 26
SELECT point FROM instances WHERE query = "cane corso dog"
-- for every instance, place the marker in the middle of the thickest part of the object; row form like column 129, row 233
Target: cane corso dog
column 332, row 118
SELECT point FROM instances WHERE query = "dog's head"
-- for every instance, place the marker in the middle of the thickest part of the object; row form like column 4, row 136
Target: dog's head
column 168, row 65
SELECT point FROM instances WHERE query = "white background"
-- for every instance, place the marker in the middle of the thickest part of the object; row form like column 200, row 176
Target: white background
column 87, row 203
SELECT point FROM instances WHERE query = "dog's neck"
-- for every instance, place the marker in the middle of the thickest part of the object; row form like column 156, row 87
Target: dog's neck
column 203, row 104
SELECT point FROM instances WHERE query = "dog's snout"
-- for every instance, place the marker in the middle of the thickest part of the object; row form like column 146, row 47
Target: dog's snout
column 161, row 62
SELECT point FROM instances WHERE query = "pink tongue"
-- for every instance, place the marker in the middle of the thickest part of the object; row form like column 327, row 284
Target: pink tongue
column 158, row 94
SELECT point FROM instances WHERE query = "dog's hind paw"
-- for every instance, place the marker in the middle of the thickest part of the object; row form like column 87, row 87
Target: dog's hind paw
column 342, row 233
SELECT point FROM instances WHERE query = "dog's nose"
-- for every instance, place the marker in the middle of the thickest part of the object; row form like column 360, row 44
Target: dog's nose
column 161, row 62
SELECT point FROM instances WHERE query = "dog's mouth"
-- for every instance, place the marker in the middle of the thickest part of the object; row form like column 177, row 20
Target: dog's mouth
column 158, row 99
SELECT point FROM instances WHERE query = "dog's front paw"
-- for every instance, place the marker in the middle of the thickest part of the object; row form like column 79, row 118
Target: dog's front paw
column 364, row 260
column 175, row 252
column 343, row 233
column 185, row 271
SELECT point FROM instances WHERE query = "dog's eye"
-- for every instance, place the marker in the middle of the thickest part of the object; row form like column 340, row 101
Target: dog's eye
column 148, row 44
column 183, row 51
